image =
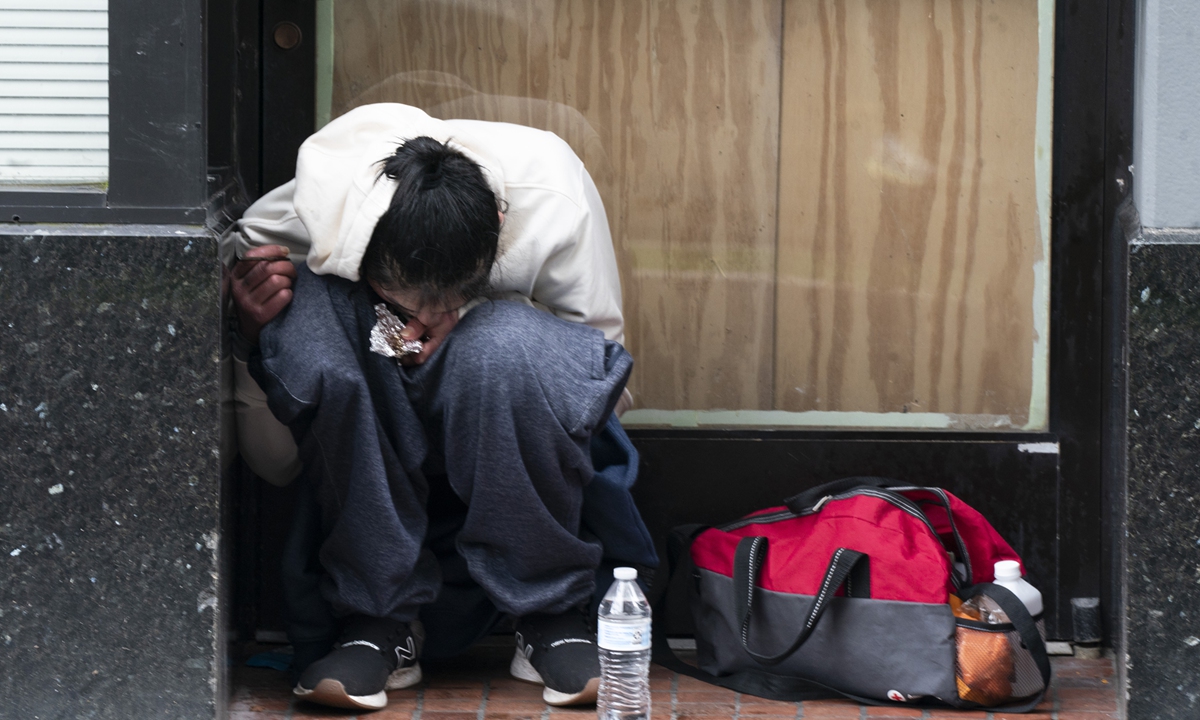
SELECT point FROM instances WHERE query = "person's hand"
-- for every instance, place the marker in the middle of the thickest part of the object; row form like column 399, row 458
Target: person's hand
column 431, row 333
column 262, row 287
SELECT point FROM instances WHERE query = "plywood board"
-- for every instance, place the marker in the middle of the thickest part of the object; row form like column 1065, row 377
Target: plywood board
column 909, row 228
column 674, row 106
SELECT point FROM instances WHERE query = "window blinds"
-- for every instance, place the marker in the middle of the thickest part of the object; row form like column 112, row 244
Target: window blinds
column 53, row 92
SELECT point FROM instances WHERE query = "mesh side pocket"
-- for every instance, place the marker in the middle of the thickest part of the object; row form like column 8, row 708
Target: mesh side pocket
column 994, row 667
column 985, row 671
column 1027, row 679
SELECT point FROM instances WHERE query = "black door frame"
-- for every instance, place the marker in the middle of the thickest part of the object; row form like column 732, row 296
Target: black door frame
column 1093, row 111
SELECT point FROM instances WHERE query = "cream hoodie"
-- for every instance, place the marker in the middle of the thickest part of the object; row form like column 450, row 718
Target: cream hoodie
column 555, row 247
column 555, row 250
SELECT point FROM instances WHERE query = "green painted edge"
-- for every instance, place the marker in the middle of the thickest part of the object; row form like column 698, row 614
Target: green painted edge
column 324, row 62
column 1039, row 395
column 782, row 418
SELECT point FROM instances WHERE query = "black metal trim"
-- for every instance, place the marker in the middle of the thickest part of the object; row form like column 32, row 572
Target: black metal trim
column 234, row 76
column 289, row 88
column 1077, row 384
column 1121, row 226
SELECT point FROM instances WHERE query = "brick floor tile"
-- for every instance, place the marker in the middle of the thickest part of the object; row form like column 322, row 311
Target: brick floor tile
column 255, row 715
column 697, row 696
column 758, row 707
column 516, row 705
column 312, row 711
column 267, row 705
column 948, row 713
column 513, row 714
column 894, row 711
column 527, row 694
column 407, row 698
column 706, row 708
column 690, row 683
column 474, row 692
column 830, row 709
column 262, row 695
column 1086, row 715
column 1089, row 699
column 561, row 713
column 512, row 684
column 447, row 715
column 452, row 704
column 1102, row 667
column 394, row 711
column 1023, row 716
column 443, row 681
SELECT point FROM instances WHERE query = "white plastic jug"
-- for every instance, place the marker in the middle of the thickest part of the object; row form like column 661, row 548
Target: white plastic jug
column 1008, row 574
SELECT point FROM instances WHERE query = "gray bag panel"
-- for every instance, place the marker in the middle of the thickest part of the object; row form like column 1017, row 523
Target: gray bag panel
column 864, row 647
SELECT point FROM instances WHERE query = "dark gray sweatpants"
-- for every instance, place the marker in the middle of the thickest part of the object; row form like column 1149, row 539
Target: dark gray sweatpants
column 505, row 410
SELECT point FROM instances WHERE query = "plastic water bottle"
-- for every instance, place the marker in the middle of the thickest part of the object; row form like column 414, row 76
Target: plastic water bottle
column 623, row 636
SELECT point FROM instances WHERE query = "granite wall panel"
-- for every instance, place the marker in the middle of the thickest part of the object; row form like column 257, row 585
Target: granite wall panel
column 109, row 474
column 1163, row 554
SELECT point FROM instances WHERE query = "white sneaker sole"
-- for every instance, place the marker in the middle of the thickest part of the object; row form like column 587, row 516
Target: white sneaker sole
column 332, row 693
column 404, row 678
column 522, row 669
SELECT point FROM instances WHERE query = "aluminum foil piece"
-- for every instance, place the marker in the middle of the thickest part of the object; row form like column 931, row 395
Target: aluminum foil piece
column 385, row 336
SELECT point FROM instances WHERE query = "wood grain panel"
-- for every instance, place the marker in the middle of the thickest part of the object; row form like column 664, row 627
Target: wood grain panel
column 908, row 207
column 673, row 105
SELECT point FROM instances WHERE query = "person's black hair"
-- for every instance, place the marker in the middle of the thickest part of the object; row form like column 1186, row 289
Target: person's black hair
column 439, row 235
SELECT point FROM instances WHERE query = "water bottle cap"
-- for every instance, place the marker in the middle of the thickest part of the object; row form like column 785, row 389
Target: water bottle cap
column 625, row 573
column 1008, row 570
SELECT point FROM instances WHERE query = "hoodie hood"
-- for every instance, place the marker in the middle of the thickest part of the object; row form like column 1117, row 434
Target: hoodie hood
column 340, row 190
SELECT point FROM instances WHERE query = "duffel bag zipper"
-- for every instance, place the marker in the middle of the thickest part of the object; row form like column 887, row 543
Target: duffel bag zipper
column 964, row 556
column 898, row 501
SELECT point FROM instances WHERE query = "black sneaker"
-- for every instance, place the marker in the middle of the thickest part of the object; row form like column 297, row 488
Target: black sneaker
column 372, row 656
column 559, row 652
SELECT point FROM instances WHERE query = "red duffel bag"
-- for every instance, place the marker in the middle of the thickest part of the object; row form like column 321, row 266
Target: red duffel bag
column 851, row 587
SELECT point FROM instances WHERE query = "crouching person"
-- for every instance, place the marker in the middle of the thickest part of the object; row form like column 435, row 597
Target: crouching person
column 456, row 455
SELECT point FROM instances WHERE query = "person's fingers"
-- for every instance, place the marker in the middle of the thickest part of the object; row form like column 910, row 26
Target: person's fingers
column 262, row 270
column 252, row 259
column 265, row 251
column 252, row 317
column 414, row 329
column 268, row 288
column 276, row 303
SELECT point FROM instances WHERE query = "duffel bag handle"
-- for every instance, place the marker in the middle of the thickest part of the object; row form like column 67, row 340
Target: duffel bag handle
column 748, row 561
column 803, row 501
